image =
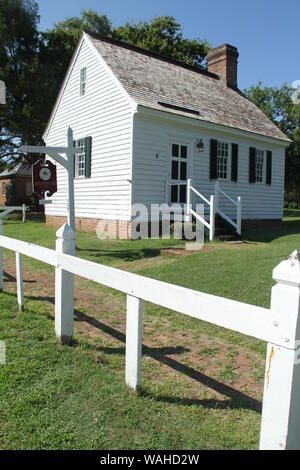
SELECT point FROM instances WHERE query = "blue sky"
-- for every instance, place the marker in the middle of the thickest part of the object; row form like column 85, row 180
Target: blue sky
column 266, row 32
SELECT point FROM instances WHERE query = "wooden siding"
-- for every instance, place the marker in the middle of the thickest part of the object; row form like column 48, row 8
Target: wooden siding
column 105, row 114
column 151, row 165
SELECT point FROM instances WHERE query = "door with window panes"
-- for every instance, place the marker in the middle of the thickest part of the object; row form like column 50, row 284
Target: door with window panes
column 179, row 172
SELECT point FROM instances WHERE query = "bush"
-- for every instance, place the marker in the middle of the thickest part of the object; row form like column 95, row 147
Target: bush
column 293, row 205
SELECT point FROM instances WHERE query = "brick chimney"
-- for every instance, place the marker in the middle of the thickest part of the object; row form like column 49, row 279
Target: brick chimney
column 223, row 61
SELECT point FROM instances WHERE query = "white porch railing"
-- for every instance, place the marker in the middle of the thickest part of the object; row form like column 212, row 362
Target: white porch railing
column 238, row 205
column 212, row 209
column 9, row 209
column 279, row 325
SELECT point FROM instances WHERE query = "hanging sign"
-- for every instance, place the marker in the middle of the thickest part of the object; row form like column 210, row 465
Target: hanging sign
column 44, row 178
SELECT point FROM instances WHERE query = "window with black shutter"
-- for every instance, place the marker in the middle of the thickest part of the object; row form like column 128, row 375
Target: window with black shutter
column 213, row 159
column 83, row 159
column 269, row 168
column 252, row 164
column 234, row 162
column 88, row 157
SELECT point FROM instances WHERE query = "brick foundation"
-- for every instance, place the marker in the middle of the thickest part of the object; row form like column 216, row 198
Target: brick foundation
column 90, row 225
column 123, row 228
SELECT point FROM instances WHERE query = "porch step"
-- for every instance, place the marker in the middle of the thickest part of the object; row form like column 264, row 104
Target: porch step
column 225, row 231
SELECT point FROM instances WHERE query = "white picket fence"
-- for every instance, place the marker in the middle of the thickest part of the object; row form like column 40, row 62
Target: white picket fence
column 6, row 210
column 279, row 326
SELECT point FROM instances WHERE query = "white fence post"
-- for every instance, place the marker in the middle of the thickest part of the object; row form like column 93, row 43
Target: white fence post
column 134, row 328
column 239, row 216
column 188, row 201
column 217, row 195
column 64, row 287
column 1, row 258
column 24, row 213
column 280, row 428
column 212, row 218
column 70, row 179
column 19, row 280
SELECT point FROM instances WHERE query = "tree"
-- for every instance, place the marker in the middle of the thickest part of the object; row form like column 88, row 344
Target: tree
column 57, row 47
column 18, row 67
column 164, row 36
column 278, row 105
column 34, row 64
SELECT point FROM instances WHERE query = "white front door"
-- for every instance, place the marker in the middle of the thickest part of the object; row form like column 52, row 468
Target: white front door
column 179, row 172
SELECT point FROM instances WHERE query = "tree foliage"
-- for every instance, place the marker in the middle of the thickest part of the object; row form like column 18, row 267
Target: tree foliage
column 278, row 105
column 19, row 41
column 33, row 63
column 164, row 36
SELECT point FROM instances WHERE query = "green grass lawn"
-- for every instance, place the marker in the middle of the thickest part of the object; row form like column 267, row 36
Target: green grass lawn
column 55, row 397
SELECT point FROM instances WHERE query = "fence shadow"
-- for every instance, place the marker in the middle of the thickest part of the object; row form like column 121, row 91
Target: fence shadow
column 237, row 399
column 9, row 278
column 124, row 255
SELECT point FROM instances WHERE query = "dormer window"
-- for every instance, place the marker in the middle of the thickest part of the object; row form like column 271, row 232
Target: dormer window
column 82, row 81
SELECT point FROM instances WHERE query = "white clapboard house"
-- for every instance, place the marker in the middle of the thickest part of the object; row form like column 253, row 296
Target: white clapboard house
column 147, row 124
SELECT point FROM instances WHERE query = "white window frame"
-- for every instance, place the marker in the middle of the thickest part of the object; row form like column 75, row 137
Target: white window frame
column 83, row 81
column 260, row 154
column 178, row 182
column 4, row 189
column 80, row 159
column 221, row 148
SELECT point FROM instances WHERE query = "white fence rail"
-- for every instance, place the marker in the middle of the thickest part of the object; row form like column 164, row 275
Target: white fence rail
column 237, row 204
column 9, row 209
column 212, row 210
column 279, row 326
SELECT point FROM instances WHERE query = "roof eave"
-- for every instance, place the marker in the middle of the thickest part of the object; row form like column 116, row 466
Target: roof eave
column 142, row 108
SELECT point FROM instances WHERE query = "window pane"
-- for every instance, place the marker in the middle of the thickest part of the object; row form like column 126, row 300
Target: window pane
column 183, row 171
column 259, row 165
column 82, row 81
column 174, row 170
column 222, row 160
column 182, row 194
column 174, row 193
column 80, row 159
column 175, row 150
column 183, row 151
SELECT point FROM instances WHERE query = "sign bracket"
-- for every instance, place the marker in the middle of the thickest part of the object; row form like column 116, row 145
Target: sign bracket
column 67, row 162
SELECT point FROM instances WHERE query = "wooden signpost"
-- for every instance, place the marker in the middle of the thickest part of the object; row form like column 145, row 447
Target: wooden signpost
column 67, row 162
column 45, row 180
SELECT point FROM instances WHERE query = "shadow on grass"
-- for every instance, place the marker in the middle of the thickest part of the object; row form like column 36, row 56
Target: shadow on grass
column 9, row 278
column 125, row 255
column 237, row 399
column 267, row 235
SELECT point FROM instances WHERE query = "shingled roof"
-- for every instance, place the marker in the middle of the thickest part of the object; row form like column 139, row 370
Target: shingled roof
column 166, row 85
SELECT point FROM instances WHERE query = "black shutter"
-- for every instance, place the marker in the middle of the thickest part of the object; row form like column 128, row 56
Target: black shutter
column 269, row 168
column 234, row 162
column 74, row 159
column 88, row 157
column 213, row 159
column 252, row 158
